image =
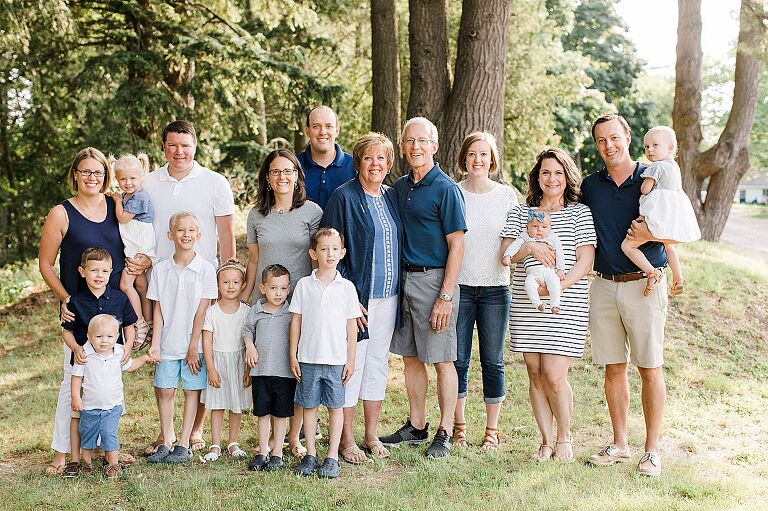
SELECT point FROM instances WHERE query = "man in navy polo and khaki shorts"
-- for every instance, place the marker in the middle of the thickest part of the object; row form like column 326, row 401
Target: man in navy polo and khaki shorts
column 432, row 209
column 625, row 326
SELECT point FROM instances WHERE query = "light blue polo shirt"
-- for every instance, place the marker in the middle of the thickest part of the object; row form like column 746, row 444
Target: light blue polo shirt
column 430, row 209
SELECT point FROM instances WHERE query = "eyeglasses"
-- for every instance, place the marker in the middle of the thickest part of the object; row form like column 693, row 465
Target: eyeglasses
column 421, row 141
column 282, row 172
column 89, row 173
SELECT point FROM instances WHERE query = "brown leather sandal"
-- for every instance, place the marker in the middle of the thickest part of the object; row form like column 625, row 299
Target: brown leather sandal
column 460, row 434
column 653, row 279
column 678, row 288
column 490, row 440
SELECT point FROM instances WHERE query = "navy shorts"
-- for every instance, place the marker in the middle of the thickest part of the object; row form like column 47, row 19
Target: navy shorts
column 320, row 385
column 273, row 395
column 100, row 423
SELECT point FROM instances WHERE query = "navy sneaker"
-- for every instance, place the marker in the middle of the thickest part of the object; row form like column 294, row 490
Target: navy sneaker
column 258, row 463
column 407, row 434
column 441, row 445
column 330, row 469
column 307, row 466
column 160, row 455
column 179, row 454
column 274, row 463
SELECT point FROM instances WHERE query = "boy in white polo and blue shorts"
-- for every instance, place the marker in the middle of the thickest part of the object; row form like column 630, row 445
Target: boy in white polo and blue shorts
column 182, row 287
column 323, row 338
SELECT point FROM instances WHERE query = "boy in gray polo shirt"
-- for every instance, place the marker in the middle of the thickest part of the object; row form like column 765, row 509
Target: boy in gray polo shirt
column 265, row 335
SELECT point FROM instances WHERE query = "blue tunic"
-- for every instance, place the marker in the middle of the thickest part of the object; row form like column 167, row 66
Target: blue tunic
column 83, row 233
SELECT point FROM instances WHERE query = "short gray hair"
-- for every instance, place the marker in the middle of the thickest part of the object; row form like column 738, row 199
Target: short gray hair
column 431, row 128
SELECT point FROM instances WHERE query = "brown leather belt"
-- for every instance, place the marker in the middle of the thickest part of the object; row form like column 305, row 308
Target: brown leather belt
column 623, row 277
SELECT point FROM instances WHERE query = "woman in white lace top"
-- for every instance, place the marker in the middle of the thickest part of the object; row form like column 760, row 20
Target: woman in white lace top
column 484, row 282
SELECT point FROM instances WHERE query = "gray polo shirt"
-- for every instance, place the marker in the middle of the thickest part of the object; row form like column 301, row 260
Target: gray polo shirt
column 270, row 336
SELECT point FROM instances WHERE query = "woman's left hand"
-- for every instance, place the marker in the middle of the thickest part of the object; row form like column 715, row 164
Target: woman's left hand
column 138, row 264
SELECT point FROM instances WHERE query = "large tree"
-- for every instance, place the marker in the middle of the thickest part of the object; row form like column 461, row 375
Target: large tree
column 475, row 100
column 725, row 163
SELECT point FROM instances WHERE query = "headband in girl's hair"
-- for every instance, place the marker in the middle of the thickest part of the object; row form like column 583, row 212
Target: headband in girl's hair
column 536, row 215
column 232, row 264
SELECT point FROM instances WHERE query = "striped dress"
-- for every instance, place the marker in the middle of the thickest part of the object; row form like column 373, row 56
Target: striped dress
column 533, row 331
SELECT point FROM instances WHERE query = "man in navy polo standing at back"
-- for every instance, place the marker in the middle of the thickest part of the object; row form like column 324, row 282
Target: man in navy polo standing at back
column 432, row 209
column 326, row 166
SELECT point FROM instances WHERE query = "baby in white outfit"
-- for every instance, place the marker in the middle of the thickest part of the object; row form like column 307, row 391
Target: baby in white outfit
column 539, row 230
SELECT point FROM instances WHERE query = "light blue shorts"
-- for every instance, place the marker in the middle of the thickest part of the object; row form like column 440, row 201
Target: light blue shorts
column 320, row 385
column 169, row 372
column 100, row 423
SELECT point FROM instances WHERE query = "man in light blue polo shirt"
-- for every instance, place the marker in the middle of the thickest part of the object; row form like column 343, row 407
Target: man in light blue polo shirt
column 326, row 166
column 432, row 209
column 625, row 326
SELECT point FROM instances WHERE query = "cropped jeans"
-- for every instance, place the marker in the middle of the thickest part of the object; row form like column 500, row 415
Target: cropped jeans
column 488, row 306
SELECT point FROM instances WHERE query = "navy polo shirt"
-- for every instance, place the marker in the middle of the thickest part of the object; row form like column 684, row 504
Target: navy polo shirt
column 85, row 306
column 613, row 209
column 319, row 181
column 430, row 209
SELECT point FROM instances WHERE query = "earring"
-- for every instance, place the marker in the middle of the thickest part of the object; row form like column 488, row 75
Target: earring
column 269, row 188
column 295, row 186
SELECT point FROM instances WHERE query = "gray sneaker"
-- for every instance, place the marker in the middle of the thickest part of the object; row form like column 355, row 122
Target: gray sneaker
column 441, row 445
column 179, row 454
column 407, row 434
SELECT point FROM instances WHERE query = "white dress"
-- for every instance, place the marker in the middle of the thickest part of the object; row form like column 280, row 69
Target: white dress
column 667, row 209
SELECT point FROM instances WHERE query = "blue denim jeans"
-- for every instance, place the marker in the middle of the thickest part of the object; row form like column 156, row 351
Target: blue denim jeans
column 488, row 306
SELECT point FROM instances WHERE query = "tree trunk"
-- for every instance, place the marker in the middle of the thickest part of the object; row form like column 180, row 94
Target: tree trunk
column 428, row 42
column 727, row 161
column 385, row 73
column 476, row 101
column 261, row 114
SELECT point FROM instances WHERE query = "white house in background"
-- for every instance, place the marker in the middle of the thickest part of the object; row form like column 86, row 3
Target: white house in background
column 753, row 189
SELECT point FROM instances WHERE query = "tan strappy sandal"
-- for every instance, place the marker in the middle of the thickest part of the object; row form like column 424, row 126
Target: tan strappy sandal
column 490, row 440
column 460, row 434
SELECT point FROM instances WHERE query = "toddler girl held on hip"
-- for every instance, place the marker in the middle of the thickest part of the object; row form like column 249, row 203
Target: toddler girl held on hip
column 539, row 229
column 665, row 208
column 134, row 213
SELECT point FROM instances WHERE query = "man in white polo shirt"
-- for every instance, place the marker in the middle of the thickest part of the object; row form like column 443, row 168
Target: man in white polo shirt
column 182, row 184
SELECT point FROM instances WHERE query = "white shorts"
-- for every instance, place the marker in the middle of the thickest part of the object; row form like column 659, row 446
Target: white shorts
column 369, row 381
column 138, row 238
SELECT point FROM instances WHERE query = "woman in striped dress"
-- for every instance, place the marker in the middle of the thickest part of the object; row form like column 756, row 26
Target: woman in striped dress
column 549, row 341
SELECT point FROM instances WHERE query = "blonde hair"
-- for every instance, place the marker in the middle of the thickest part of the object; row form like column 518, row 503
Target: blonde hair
column 101, row 320
column 369, row 140
column 129, row 161
column 669, row 133
column 178, row 216
column 93, row 154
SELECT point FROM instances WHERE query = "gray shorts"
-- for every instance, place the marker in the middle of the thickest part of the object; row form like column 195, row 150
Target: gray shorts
column 417, row 338
column 320, row 385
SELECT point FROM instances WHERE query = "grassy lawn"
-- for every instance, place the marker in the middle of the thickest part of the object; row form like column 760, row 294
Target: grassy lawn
column 715, row 428
column 753, row 210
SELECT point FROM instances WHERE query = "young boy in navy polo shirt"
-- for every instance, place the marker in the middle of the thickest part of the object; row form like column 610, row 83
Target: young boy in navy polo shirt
column 95, row 267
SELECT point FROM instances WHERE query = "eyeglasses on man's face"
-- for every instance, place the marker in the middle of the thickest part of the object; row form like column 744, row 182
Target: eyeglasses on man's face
column 421, row 141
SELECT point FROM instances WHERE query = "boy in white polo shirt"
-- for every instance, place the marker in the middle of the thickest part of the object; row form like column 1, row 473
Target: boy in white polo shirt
column 323, row 338
column 101, row 382
column 182, row 287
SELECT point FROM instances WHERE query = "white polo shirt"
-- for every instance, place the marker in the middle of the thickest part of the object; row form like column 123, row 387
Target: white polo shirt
column 202, row 192
column 324, row 311
column 179, row 291
column 102, row 378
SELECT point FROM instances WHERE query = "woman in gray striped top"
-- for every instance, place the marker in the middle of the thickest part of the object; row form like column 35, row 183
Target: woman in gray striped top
column 549, row 341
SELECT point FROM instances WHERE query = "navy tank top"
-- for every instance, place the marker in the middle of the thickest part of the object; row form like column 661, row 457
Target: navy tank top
column 83, row 233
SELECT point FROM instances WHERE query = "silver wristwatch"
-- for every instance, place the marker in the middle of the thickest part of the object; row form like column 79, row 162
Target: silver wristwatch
column 445, row 297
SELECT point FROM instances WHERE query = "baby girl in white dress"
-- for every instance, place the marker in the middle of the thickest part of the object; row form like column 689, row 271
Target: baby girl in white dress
column 665, row 208
column 539, row 229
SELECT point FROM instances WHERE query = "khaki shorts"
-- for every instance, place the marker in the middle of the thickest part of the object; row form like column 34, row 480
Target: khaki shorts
column 626, row 326
column 417, row 338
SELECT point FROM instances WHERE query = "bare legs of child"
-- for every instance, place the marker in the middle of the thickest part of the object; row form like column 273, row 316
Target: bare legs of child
column 141, row 306
column 233, row 447
column 678, row 282
column 632, row 251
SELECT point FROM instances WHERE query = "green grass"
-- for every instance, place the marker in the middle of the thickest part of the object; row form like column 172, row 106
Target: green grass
column 19, row 280
column 755, row 210
column 715, row 426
